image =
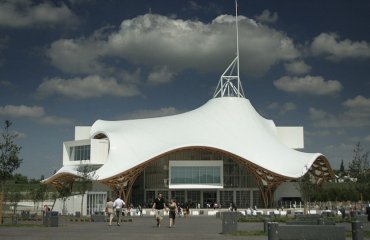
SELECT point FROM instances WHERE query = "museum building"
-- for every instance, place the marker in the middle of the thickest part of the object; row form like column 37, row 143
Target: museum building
column 221, row 152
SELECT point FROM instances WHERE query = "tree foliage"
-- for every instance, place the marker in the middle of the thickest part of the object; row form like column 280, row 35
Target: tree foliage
column 9, row 151
column 359, row 169
column 359, row 166
column 307, row 187
column 85, row 182
column 64, row 191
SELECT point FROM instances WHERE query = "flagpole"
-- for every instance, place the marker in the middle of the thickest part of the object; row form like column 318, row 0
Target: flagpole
column 237, row 39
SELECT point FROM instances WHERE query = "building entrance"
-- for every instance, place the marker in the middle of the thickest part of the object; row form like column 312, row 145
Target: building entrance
column 209, row 198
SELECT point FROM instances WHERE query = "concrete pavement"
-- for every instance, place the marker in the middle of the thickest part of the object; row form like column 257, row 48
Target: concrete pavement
column 192, row 228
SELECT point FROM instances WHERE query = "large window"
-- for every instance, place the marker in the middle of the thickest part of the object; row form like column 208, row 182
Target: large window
column 96, row 202
column 196, row 174
column 79, row 153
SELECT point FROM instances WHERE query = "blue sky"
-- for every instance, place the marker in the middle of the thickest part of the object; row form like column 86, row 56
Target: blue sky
column 69, row 63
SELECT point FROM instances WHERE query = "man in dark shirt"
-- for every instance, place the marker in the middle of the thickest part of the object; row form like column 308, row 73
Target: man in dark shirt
column 159, row 205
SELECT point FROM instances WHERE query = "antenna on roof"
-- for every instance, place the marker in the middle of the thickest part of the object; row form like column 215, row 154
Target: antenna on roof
column 229, row 84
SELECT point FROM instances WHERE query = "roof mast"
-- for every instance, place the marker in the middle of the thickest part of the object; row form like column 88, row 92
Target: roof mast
column 229, row 84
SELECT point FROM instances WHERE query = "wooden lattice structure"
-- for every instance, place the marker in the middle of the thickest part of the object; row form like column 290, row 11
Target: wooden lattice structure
column 267, row 181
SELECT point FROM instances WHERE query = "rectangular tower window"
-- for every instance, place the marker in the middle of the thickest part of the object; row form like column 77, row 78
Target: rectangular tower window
column 196, row 174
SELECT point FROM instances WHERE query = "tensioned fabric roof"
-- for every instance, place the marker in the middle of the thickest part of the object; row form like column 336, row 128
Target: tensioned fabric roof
column 230, row 124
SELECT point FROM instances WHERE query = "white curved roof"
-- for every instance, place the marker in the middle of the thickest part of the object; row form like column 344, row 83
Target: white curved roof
column 229, row 123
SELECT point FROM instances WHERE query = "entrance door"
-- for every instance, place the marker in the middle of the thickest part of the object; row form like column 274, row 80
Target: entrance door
column 209, row 198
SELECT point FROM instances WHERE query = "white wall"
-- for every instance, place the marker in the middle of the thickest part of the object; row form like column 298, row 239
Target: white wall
column 82, row 132
column 99, row 151
column 292, row 137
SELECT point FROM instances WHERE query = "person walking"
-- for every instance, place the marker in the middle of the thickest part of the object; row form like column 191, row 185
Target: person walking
column 118, row 206
column 109, row 210
column 172, row 213
column 159, row 205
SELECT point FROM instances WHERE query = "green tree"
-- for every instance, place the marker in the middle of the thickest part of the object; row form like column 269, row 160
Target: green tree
column 85, row 182
column 64, row 191
column 9, row 159
column 19, row 178
column 14, row 198
column 359, row 169
column 341, row 169
column 39, row 194
column 307, row 187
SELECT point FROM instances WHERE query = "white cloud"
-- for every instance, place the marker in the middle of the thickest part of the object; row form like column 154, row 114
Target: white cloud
column 36, row 113
column 194, row 5
column 22, row 111
column 315, row 85
column 358, row 102
column 77, row 55
column 161, row 75
column 151, row 113
column 54, row 120
column 282, row 108
column 367, row 138
column 356, row 114
column 156, row 40
column 25, row 13
column 267, row 16
column 359, row 109
column 329, row 45
column 297, row 67
column 317, row 114
column 88, row 87
column 338, row 152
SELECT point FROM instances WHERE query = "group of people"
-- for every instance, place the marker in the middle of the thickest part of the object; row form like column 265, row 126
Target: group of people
column 159, row 206
column 115, row 207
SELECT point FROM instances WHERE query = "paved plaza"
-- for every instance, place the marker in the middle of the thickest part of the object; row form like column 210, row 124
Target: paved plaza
column 200, row 227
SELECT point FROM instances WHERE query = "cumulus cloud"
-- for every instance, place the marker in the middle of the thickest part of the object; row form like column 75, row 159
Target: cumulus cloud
column 88, row 87
column 358, row 108
column 150, row 113
column 282, row 107
column 161, row 75
column 155, row 40
column 22, row 111
column 77, row 55
column 359, row 102
column 297, row 67
column 356, row 114
column 315, row 85
column 267, row 16
column 36, row 113
column 25, row 13
column 329, row 45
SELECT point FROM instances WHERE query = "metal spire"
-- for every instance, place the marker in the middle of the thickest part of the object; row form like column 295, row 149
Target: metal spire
column 229, row 84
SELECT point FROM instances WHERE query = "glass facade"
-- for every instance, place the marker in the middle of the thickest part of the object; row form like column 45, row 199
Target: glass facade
column 238, row 183
column 209, row 175
column 79, row 153
column 96, row 203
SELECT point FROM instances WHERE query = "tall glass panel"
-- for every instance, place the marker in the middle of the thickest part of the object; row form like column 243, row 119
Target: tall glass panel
column 226, row 197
